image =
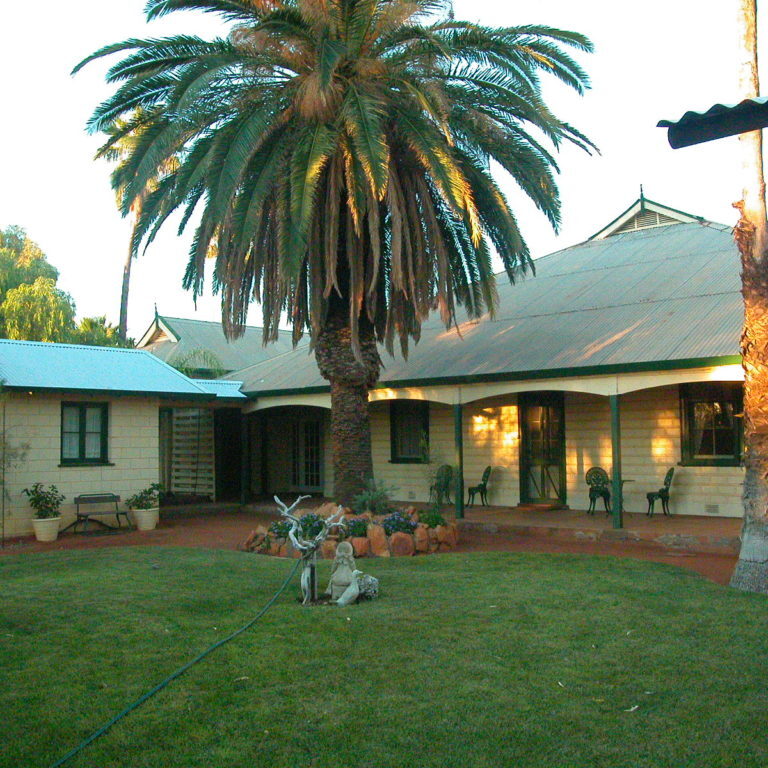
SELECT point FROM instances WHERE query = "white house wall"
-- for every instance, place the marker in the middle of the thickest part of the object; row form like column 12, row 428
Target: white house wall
column 36, row 421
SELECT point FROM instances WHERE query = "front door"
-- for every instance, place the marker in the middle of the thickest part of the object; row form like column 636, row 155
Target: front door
column 542, row 448
column 307, row 455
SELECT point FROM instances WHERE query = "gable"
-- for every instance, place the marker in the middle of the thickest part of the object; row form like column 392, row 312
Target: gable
column 645, row 214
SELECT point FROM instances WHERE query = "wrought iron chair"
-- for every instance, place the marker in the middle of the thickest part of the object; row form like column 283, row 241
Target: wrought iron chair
column 599, row 488
column 441, row 488
column 481, row 488
column 662, row 494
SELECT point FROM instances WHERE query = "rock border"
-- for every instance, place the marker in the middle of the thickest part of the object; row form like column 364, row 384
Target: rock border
column 376, row 543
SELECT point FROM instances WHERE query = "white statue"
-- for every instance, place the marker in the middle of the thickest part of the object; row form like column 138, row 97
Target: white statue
column 343, row 569
column 361, row 586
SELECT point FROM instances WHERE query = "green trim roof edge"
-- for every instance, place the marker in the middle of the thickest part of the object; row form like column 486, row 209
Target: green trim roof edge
column 207, row 396
column 551, row 373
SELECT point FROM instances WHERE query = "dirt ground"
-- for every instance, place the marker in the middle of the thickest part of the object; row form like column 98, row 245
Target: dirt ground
column 228, row 531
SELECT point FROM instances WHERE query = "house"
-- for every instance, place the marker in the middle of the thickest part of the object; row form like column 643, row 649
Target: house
column 93, row 419
column 622, row 351
column 200, row 349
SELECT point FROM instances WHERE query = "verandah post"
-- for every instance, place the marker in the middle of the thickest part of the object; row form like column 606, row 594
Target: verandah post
column 616, row 491
column 458, row 435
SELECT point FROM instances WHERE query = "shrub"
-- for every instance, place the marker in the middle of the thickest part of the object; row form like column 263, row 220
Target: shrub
column 45, row 502
column 431, row 518
column 310, row 524
column 146, row 499
column 375, row 499
column 279, row 529
column 397, row 521
column 357, row 527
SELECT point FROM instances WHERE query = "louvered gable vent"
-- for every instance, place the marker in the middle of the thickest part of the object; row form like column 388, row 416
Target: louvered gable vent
column 645, row 220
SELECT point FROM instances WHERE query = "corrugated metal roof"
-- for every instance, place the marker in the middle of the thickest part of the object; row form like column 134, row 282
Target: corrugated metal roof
column 224, row 390
column 718, row 121
column 196, row 335
column 647, row 296
column 35, row 365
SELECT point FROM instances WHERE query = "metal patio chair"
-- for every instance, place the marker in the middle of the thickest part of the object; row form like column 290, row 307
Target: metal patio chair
column 662, row 494
column 481, row 488
column 599, row 488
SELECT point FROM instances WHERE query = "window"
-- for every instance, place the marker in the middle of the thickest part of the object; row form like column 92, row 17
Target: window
column 84, row 433
column 409, row 430
column 711, row 415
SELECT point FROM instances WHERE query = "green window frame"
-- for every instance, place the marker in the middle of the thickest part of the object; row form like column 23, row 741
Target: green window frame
column 409, row 431
column 711, row 417
column 84, row 434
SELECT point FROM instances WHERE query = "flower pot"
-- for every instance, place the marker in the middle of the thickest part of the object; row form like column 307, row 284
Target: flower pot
column 46, row 528
column 146, row 519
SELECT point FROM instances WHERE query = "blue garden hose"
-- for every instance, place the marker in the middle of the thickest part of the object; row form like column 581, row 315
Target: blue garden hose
column 178, row 673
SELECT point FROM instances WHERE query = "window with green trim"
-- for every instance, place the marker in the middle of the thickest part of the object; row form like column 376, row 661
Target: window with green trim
column 409, row 431
column 84, row 431
column 711, row 416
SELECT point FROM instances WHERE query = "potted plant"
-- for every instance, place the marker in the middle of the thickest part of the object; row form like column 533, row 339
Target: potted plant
column 146, row 507
column 47, row 505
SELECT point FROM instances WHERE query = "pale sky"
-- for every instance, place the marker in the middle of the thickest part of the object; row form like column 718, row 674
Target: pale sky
column 652, row 60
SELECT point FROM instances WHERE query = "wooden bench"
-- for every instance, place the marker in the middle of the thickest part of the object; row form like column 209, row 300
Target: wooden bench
column 84, row 516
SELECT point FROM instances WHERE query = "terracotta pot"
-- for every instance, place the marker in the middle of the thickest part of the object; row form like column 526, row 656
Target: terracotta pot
column 46, row 528
column 146, row 519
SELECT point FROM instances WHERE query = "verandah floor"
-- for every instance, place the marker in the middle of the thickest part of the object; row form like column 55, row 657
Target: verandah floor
column 676, row 532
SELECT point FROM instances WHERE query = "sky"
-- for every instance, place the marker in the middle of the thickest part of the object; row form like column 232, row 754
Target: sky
column 652, row 61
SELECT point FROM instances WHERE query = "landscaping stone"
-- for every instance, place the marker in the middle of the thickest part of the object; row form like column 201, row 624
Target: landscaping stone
column 328, row 549
column 421, row 538
column 378, row 538
column 274, row 546
column 361, row 545
column 446, row 534
column 401, row 544
column 327, row 509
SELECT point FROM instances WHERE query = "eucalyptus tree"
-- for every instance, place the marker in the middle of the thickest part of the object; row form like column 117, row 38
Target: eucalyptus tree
column 336, row 156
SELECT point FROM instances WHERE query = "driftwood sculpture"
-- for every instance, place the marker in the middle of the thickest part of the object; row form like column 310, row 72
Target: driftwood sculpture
column 308, row 547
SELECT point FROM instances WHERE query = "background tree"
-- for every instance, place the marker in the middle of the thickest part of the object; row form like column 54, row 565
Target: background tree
column 38, row 311
column 340, row 153
column 124, row 135
column 97, row 332
column 21, row 262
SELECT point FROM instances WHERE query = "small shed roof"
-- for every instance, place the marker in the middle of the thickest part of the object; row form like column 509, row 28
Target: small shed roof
column 719, row 121
column 647, row 299
column 37, row 366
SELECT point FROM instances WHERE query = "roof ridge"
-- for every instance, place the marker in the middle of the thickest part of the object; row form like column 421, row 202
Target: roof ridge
column 69, row 345
column 272, row 359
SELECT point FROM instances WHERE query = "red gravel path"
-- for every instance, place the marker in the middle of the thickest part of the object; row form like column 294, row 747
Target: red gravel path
column 227, row 530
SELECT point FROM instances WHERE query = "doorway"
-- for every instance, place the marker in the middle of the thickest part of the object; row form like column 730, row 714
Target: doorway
column 307, row 456
column 542, row 448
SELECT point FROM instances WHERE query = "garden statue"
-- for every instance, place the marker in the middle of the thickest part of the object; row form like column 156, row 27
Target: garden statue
column 343, row 569
column 308, row 547
column 362, row 585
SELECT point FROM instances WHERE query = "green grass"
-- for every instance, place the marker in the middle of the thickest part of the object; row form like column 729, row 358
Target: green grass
column 466, row 660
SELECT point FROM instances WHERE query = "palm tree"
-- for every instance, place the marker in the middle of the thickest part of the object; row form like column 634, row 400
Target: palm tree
column 123, row 137
column 339, row 154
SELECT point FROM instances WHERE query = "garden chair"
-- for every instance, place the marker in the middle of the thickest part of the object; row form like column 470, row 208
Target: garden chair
column 481, row 488
column 662, row 494
column 599, row 488
column 441, row 488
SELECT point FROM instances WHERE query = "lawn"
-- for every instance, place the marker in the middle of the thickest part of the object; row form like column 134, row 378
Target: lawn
column 465, row 660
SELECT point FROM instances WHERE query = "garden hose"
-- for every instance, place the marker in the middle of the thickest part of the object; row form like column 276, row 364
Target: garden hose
column 178, row 673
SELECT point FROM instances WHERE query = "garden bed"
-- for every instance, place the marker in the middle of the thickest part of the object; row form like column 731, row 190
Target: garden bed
column 400, row 534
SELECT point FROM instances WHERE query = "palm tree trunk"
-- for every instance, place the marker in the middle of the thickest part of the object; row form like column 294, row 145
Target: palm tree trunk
column 122, row 326
column 751, row 234
column 350, row 380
